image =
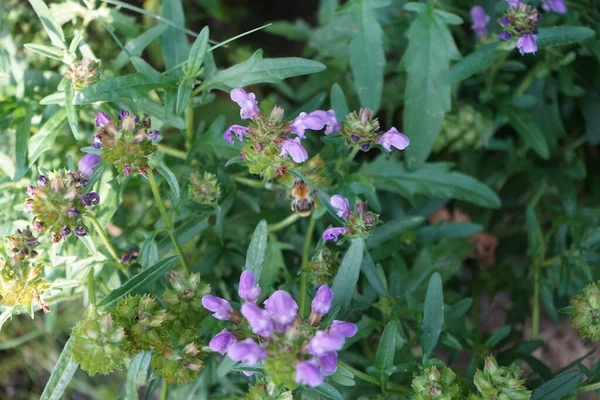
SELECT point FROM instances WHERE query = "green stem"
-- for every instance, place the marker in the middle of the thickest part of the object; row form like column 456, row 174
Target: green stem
column 588, row 388
column 535, row 323
column 538, row 195
column 530, row 77
column 304, row 265
column 566, row 254
column 189, row 121
column 163, row 211
column 182, row 155
column 113, row 253
column 370, row 379
column 164, row 392
column 91, row 287
column 250, row 182
column 351, row 155
column 287, row 221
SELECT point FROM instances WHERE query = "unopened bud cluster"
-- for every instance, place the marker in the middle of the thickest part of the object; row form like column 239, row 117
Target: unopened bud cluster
column 358, row 223
column 586, row 312
column 500, row 383
column 320, row 266
column 463, row 130
column 362, row 131
column 83, row 73
column 434, row 384
column 204, row 189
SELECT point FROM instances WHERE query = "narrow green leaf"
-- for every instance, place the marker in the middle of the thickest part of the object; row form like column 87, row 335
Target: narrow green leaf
column 174, row 42
column 561, row 35
column 255, row 257
column 535, row 238
column 435, row 233
column 54, row 98
column 384, row 359
column 498, row 336
column 558, row 387
column 145, row 69
column 184, row 93
column 53, row 29
column 197, row 54
column 392, row 229
column 6, row 315
column 370, row 271
column 135, row 47
column 477, row 61
column 21, row 141
column 131, row 86
column 525, row 125
column 328, row 391
column 72, row 116
column 44, row 139
column 326, row 11
column 344, row 283
column 169, row 176
column 61, row 374
column 367, row 58
column 259, row 70
column 139, row 282
column 138, row 366
column 75, row 42
column 433, row 315
column 338, row 102
column 47, row 51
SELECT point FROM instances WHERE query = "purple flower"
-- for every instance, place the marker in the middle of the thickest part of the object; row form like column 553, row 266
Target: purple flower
column 480, row 21
column 322, row 301
column 395, row 139
column 334, row 233
column 73, row 212
column 315, row 121
column 247, row 351
column 102, row 119
column 527, row 44
column 65, row 231
column 88, row 163
column 222, row 341
column 365, row 147
column 80, row 230
column 282, row 308
column 504, row 21
column 323, row 343
column 123, row 114
column 259, row 319
column 558, row 6
column 30, row 190
column 328, row 363
column 240, row 132
column 308, row 373
column 42, row 180
column 153, row 135
column 514, row 3
column 97, row 142
column 342, row 329
column 504, row 36
column 248, row 290
column 293, row 148
column 341, row 204
column 93, row 198
column 220, row 307
column 127, row 170
column 246, row 101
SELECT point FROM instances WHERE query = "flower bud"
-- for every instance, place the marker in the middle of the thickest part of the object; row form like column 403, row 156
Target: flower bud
column 205, row 189
column 586, row 312
column 500, row 382
column 221, row 308
column 342, row 329
column 248, row 289
column 259, row 319
column 322, row 301
column 222, row 341
column 308, row 373
column 433, row 384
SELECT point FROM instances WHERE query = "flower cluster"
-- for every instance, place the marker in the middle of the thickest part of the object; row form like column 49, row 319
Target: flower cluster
column 83, row 73
column 433, row 384
column 126, row 144
column 21, row 279
column 362, row 131
column 320, row 266
column 204, row 189
column 359, row 223
column 140, row 323
column 520, row 22
column 59, row 202
column 293, row 350
column 586, row 312
column 500, row 383
column 480, row 21
column 464, row 129
column 271, row 145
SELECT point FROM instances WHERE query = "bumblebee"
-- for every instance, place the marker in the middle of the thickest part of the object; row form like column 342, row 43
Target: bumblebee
column 302, row 201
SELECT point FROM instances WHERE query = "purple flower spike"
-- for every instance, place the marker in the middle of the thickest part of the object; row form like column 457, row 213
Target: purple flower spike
column 341, row 204
column 248, row 290
column 514, row 3
column 153, row 135
column 322, row 301
column 88, row 163
column 323, row 343
column 342, row 329
column 480, row 21
column 504, row 36
column 240, row 132
column 334, row 233
column 328, row 363
column 294, row 149
column 222, row 341
column 102, row 119
column 395, row 139
column 259, row 319
column 282, row 308
column 558, row 6
column 247, row 351
column 246, row 101
column 220, row 307
column 308, row 373
column 315, row 121
column 527, row 44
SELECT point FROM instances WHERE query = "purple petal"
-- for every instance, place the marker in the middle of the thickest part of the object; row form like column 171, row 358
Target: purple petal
column 246, row 101
column 220, row 307
column 558, row 6
column 342, row 329
column 308, row 373
column 282, row 308
column 248, row 290
column 328, row 363
column 238, row 130
column 527, row 44
column 323, row 343
column 259, row 319
column 504, row 21
column 322, row 301
column 315, row 121
column 222, row 341
column 153, row 135
column 341, row 204
column 480, row 20
column 293, row 148
column 333, row 233
column 88, row 163
column 247, row 351
column 393, row 138
column 504, row 36
column 102, row 119
column 514, row 3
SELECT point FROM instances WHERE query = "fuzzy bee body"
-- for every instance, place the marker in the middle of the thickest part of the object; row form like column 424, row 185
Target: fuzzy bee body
column 302, row 201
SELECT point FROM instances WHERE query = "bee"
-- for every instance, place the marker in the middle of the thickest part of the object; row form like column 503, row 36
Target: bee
column 302, row 203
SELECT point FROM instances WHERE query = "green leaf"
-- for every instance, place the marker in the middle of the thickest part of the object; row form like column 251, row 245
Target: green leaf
column 255, row 257
column 370, row 271
column 169, row 176
column 54, row 98
column 344, row 283
column 338, row 102
column 384, row 360
column 75, row 41
column 6, row 315
column 558, row 387
column 138, row 366
column 52, row 52
column 525, row 125
column 433, row 315
column 135, row 47
column 535, row 238
column 327, row 10
column 174, row 42
column 184, row 93
column 392, row 229
column 367, row 59
column 328, row 391
column 53, row 29
column 427, row 96
column 259, row 70
column 72, row 116
column 131, row 86
column 21, row 140
column 61, row 374
column 139, row 282
column 44, row 139
column 498, row 336
column 435, row 233
column 197, row 54
column 433, row 179
column 144, row 68
column 477, row 61
column 561, row 35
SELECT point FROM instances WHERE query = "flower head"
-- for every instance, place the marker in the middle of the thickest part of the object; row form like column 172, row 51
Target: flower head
column 480, row 20
column 220, row 307
column 308, row 373
column 433, row 384
column 333, row 233
column 248, row 289
column 247, row 102
column 247, row 351
column 238, row 130
column 322, row 301
column 586, row 312
column 293, row 148
column 315, row 121
column 393, row 138
column 341, row 204
column 222, row 341
column 88, row 163
column 259, row 319
column 282, row 308
column 497, row 382
column 527, row 44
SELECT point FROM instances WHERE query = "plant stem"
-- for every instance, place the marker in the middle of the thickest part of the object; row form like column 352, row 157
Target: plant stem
column 189, row 122
column 182, row 155
column 91, row 287
column 535, row 319
column 164, row 392
column 250, row 182
column 370, row 379
column 588, row 388
column 351, row 155
column 530, row 77
column 163, row 211
column 287, row 221
column 104, row 237
column 304, row 265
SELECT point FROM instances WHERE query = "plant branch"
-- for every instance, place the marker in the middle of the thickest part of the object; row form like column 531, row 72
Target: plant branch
column 287, row 221
column 304, row 265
